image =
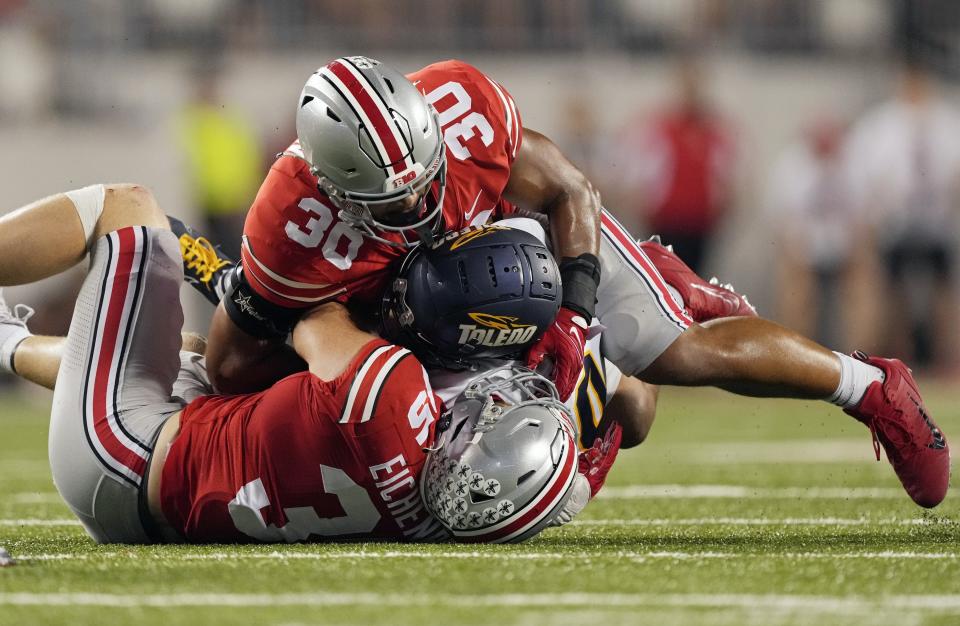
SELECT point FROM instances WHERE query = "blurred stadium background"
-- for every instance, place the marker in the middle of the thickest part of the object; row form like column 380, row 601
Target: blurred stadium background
column 812, row 146
column 192, row 97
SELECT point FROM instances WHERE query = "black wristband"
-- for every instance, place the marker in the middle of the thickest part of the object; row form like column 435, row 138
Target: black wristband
column 254, row 314
column 581, row 278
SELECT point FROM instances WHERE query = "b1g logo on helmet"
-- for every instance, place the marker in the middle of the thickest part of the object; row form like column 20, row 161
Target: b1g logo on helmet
column 402, row 180
column 495, row 331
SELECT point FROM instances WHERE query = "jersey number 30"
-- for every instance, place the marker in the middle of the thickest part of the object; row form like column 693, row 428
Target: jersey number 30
column 458, row 122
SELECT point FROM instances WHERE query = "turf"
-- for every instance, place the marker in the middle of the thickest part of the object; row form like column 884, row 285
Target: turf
column 733, row 512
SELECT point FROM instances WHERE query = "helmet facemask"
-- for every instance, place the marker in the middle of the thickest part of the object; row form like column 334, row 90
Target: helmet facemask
column 506, row 465
column 510, row 387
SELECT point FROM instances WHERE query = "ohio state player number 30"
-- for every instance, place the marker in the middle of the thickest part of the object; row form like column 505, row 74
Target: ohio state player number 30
column 458, row 124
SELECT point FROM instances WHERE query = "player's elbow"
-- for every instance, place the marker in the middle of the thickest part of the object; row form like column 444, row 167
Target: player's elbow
column 634, row 407
column 580, row 193
column 635, row 433
column 590, row 194
column 241, row 363
column 229, row 372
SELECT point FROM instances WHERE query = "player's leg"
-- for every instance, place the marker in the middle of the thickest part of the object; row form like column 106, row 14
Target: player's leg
column 115, row 384
column 120, row 359
column 752, row 357
column 634, row 407
column 702, row 300
column 16, row 337
column 37, row 358
column 51, row 235
column 649, row 335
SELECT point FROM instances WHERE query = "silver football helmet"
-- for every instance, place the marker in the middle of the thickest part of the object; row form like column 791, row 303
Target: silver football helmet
column 506, row 467
column 375, row 144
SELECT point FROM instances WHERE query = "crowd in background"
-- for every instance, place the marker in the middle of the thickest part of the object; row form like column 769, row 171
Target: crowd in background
column 863, row 206
column 865, row 211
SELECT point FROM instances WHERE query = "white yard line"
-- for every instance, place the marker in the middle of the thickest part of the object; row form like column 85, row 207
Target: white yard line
column 639, row 556
column 34, row 497
column 828, row 604
column 633, row 492
column 763, row 521
column 694, row 521
column 636, row 492
column 795, row 451
column 40, row 522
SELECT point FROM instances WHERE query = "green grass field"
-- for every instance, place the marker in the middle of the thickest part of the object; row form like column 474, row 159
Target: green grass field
column 733, row 512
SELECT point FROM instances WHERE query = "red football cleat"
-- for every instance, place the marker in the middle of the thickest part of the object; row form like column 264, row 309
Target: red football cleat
column 595, row 462
column 916, row 447
column 702, row 300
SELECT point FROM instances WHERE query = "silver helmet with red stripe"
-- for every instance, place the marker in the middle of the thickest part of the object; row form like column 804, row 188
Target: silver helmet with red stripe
column 375, row 145
column 506, row 466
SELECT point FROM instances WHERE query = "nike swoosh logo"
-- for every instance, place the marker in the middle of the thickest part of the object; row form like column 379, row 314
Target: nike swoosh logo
column 469, row 214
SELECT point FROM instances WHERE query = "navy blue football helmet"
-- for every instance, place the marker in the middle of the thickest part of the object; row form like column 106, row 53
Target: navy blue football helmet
column 486, row 292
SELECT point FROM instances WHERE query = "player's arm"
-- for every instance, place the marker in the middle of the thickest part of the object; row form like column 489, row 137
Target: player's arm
column 542, row 180
column 239, row 362
column 247, row 348
column 327, row 339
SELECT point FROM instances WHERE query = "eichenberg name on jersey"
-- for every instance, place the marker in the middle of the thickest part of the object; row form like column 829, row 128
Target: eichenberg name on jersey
column 398, row 487
column 495, row 330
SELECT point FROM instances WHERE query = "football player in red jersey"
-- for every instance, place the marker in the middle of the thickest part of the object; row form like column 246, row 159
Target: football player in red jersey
column 385, row 160
column 142, row 451
column 382, row 162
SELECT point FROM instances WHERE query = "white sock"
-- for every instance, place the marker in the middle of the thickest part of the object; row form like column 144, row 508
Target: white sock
column 9, row 347
column 855, row 377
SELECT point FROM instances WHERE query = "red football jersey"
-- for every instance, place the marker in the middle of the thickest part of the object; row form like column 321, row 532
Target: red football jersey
column 296, row 251
column 308, row 460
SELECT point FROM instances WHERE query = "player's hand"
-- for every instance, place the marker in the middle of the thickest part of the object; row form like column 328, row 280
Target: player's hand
column 595, row 462
column 564, row 343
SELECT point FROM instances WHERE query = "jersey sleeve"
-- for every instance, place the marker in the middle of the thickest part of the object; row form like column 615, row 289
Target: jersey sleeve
column 390, row 386
column 278, row 261
column 479, row 117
